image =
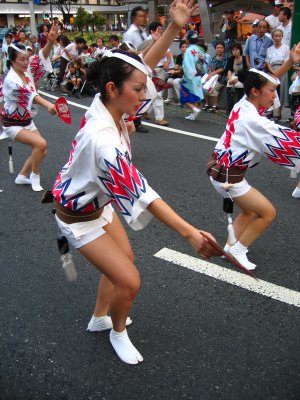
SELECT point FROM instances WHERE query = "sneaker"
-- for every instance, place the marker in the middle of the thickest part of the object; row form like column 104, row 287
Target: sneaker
column 296, row 193
column 141, row 128
column 162, row 122
column 168, row 101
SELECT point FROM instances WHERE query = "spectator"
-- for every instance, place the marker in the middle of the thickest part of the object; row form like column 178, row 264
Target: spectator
column 257, row 45
column 218, row 67
column 85, row 55
column 230, row 26
column 8, row 40
column 100, row 46
column 276, row 56
column 73, row 79
column 236, row 65
column 93, row 50
column 176, row 74
column 23, row 39
column 34, row 44
column 70, row 52
column 43, row 36
column 286, row 24
column 114, row 42
column 191, row 93
column 273, row 19
column 135, row 35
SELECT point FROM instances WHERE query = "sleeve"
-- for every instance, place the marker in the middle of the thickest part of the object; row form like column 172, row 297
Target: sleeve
column 189, row 67
column 39, row 66
column 125, row 185
column 229, row 66
column 268, row 56
column 278, row 143
column 246, row 48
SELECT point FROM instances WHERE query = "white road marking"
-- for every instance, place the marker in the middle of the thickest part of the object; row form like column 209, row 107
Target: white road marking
column 164, row 128
column 235, row 278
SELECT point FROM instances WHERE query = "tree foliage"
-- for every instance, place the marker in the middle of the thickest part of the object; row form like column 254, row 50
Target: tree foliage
column 64, row 6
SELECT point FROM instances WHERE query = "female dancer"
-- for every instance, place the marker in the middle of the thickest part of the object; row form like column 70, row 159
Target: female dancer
column 100, row 171
column 247, row 139
column 19, row 105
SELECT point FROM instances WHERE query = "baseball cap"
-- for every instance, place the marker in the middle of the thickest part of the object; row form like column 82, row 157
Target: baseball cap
column 255, row 22
column 278, row 3
column 229, row 11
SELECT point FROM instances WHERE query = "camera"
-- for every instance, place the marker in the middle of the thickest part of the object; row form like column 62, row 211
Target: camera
column 256, row 61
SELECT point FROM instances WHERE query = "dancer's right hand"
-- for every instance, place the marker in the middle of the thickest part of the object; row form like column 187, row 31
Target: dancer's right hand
column 201, row 245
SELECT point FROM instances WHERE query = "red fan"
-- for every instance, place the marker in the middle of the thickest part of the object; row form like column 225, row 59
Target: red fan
column 160, row 84
column 63, row 110
column 229, row 257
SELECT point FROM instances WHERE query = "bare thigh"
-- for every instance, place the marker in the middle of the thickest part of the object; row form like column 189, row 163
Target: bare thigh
column 255, row 202
column 31, row 138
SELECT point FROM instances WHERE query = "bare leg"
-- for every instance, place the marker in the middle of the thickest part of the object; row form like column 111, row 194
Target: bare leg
column 39, row 150
column 106, row 255
column 257, row 214
column 106, row 288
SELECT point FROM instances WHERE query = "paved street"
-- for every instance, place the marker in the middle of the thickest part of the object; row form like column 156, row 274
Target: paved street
column 201, row 337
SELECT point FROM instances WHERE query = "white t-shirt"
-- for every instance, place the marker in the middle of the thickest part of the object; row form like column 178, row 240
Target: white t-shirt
column 287, row 33
column 277, row 56
column 135, row 35
column 272, row 21
column 72, row 49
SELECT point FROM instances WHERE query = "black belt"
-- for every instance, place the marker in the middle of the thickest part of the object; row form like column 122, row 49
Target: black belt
column 15, row 122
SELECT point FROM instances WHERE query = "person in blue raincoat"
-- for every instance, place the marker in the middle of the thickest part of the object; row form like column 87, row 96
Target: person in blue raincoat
column 191, row 92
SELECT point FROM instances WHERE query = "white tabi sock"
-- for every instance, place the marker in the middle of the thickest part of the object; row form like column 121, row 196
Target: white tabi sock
column 35, row 182
column 226, row 249
column 124, row 348
column 99, row 324
column 239, row 252
column 22, row 180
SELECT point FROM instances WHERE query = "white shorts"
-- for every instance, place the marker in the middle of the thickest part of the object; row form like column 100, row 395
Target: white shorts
column 237, row 190
column 12, row 131
column 82, row 233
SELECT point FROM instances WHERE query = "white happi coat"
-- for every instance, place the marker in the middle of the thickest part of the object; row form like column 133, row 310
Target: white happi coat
column 249, row 137
column 100, row 171
column 18, row 97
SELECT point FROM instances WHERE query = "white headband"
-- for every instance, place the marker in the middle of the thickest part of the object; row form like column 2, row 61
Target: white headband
column 130, row 60
column 17, row 49
column 270, row 78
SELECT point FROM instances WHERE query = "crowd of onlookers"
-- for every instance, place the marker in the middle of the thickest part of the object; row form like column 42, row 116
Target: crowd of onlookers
column 266, row 49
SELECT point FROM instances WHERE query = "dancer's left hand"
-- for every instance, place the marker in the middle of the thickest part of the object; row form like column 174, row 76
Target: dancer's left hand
column 53, row 33
column 295, row 54
column 181, row 10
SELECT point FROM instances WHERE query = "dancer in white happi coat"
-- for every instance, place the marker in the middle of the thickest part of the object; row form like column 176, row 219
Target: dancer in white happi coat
column 20, row 101
column 247, row 139
column 100, row 171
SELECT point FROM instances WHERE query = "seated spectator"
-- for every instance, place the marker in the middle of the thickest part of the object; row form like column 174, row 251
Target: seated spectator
column 276, row 56
column 175, row 75
column 73, row 79
column 100, row 46
column 85, row 54
column 93, row 51
column 236, row 64
column 114, row 42
column 70, row 52
column 217, row 67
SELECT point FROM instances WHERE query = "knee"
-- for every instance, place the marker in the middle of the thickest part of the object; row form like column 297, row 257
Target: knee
column 41, row 145
column 132, row 287
column 270, row 214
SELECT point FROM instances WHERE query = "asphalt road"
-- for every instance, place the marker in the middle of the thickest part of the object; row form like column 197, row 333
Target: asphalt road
column 201, row 338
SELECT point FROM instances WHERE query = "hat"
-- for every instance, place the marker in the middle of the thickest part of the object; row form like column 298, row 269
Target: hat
column 255, row 22
column 278, row 3
column 229, row 11
column 192, row 35
column 28, row 48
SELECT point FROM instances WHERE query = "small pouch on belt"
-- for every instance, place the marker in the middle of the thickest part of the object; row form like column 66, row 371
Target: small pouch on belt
column 213, row 168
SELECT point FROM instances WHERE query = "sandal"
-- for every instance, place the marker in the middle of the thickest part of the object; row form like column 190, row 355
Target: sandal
column 205, row 107
column 212, row 109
